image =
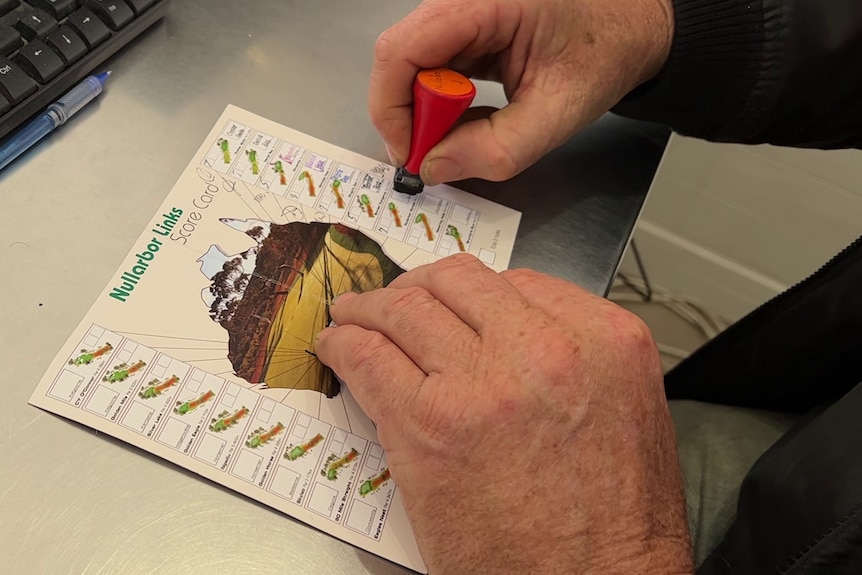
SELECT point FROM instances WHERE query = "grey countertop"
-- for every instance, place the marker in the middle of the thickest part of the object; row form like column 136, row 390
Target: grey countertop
column 74, row 501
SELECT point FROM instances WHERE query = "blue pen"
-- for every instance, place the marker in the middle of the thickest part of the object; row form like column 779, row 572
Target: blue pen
column 55, row 116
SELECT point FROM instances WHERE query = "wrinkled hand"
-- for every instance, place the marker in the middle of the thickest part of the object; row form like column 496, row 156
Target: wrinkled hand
column 523, row 418
column 562, row 63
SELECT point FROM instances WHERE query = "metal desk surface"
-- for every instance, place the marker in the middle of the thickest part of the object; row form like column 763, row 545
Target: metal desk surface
column 74, row 501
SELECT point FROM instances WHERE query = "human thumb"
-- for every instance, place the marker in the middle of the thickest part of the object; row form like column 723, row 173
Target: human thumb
column 499, row 145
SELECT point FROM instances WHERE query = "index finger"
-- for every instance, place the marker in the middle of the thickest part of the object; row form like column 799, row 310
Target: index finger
column 478, row 295
column 429, row 37
column 379, row 375
column 563, row 301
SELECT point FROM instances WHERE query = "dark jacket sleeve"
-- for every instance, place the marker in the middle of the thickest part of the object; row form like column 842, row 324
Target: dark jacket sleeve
column 783, row 72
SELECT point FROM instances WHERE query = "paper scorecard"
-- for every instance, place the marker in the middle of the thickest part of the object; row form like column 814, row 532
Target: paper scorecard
column 201, row 348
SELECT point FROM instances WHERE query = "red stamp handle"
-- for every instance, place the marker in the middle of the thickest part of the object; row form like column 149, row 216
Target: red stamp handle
column 440, row 96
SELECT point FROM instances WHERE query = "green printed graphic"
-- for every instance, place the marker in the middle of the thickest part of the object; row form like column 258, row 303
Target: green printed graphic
column 294, row 452
column 225, row 150
column 423, row 219
column 154, row 387
column 396, row 215
column 88, row 356
column 123, row 371
column 365, row 202
column 278, row 168
column 225, row 420
column 336, row 191
column 183, row 408
column 335, row 464
column 373, row 484
column 258, row 437
column 312, row 190
column 252, row 159
column 453, row 231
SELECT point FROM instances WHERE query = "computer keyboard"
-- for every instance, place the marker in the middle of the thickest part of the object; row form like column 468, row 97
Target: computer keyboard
column 48, row 46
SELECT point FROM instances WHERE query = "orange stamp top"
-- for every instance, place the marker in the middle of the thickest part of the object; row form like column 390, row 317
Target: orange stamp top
column 446, row 82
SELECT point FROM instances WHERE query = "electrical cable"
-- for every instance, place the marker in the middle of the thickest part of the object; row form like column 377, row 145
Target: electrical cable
column 687, row 308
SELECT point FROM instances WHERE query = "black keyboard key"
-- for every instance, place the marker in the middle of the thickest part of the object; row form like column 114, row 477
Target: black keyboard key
column 10, row 40
column 67, row 44
column 92, row 30
column 39, row 61
column 140, row 5
column 7, row 6
column 114, row 13
column 59, row 9
column 14, row 83
column 4, row 105
column 9, row 19
column 35, row 24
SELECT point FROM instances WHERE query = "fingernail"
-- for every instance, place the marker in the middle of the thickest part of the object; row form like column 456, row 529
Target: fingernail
column 440, row 170
column 341, row 298
column 393, row 157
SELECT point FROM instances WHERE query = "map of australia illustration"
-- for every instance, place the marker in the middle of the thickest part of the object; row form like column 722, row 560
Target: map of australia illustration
column 273, row 298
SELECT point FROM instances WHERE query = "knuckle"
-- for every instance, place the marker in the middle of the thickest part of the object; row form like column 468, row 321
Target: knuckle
column 522, row 277
column 440, row 420
column 405, row 304
column 385, row 45
column 454, row 266
column 368, row 353
column 632, row 341
column 503, row 163
column 393, row 42
column 627, row 331
column 557, row 354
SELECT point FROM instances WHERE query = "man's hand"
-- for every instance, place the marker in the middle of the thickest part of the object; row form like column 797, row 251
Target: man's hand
column 523, row 418
column 563, row 63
